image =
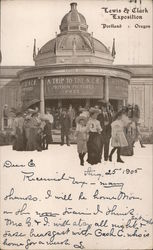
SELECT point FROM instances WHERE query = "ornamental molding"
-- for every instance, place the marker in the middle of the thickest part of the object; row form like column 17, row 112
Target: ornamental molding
column 52, row 71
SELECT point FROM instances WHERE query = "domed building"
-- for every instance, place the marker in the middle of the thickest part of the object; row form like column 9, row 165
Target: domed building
column 73, row 68
column 73, row 41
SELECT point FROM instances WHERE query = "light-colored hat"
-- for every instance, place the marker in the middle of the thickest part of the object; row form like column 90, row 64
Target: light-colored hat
column 48, row 109
column 83, row 109
column 31, row 111
column 44, row 118
column 94, row 110
column 81, row 117
column 96, row 107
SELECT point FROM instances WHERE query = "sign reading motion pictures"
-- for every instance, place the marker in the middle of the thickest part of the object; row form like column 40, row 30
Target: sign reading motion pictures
column 71, row 86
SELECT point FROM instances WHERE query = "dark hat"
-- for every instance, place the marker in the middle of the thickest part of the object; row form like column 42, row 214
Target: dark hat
column 118, row 114
column 64, row 109
column 18, row 113
column 35, row 113
column 103, row 103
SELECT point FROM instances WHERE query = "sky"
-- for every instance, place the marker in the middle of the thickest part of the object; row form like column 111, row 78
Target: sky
column 24, row 20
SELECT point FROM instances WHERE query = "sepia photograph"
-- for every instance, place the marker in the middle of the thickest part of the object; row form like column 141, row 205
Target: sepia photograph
column 76, row 124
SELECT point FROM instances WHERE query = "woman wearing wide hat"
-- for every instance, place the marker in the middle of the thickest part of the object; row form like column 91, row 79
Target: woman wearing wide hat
column 18, row 132
column 84, row 112
column 32, row 127
column 81, row 135
column 94, row 142
column 118, row 137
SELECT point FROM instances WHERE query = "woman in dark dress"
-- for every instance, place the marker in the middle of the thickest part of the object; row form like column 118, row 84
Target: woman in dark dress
column 129, row 134
column 133, row 113
column 94, row 141
column 18, row 142
column 32, row 131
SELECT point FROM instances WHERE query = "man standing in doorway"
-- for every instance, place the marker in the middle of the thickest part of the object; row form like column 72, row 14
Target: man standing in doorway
column 105, row 119
column 65, row 123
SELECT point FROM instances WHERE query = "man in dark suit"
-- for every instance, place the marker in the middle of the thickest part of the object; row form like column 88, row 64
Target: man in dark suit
column 105, row 119
column 65, row 123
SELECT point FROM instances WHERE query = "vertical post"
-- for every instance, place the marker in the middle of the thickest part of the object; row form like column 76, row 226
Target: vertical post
column 106, row 89
column 2, row 121
column 144, row 105
column 42, row 98
column 124, row 102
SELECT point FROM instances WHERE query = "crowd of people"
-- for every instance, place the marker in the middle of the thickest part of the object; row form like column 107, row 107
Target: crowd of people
column 31, row 132
column 93, row 129
column 102, row 125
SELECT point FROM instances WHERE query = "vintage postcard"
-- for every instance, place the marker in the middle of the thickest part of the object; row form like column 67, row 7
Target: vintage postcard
column 76, row 131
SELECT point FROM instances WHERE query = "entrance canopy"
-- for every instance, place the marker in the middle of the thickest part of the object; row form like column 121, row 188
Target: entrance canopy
column 73, row 82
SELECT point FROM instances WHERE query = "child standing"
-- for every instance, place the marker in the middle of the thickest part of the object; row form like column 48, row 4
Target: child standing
column 81, row 137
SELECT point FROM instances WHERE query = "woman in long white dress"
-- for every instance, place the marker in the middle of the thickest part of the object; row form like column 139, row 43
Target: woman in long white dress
column 118, row 137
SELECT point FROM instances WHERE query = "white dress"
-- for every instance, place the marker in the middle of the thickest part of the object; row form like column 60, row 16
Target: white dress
column 82, row 137
column 118, row 136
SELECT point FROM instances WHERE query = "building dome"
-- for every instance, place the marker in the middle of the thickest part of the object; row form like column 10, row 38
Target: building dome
column 67, row 42
column 73, row 20
column 74, row 68
column 73, row 44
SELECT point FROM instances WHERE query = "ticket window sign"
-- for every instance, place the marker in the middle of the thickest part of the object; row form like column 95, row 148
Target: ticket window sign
column 118, row 88
column 30, row 89
column 74, row 87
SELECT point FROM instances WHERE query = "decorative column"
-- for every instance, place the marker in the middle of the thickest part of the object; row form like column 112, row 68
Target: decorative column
column 124, row 102
column 106, row 88
column 42, row 97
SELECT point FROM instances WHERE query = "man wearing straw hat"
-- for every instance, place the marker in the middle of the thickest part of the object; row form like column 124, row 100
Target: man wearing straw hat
column 105, row 121
column 65, row 127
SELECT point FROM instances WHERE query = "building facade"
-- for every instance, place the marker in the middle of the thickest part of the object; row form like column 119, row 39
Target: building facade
column 75, row 68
